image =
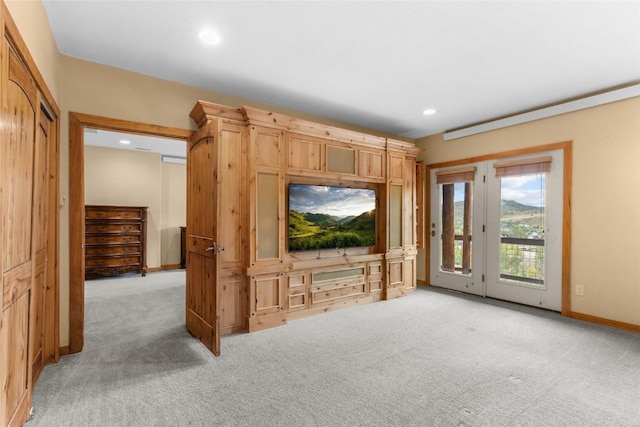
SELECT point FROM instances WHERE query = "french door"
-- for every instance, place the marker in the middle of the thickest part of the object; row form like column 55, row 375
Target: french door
column 457, row 237
column 524, row 229
column 496, row 229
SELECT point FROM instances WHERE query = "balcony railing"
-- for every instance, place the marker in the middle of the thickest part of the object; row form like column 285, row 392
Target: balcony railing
column 521, row 259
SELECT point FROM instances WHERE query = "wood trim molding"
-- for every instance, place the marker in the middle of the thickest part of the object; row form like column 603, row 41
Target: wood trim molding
column 566, row 228
column 604, row 321
column 76, row 234
column 509, row 153
column 169, row 267
column 292, row 124
column 77, row 123
column 119, row 125
column 206, row 111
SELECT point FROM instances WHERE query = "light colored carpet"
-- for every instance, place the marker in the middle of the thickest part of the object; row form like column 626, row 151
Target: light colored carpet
column 432, row 358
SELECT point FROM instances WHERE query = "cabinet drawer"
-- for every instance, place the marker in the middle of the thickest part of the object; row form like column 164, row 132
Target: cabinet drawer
column 112, row 250
column 90, row 239
column 95, row 272
column 112, row 228
column 113, row 213
column 336, row 292
column 111, row 261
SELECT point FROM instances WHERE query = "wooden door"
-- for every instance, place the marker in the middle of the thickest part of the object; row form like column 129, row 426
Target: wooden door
column 19, row 117
column 203, row 193
column 40, row 237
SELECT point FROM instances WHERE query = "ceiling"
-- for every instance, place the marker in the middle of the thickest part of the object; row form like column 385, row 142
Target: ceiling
column 176, row 150
column 375, row 64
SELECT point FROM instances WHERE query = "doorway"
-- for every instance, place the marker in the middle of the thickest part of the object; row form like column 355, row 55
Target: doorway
column 500, row 225
column 77, row 124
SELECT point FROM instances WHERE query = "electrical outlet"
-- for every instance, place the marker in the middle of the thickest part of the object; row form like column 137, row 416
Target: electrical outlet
column 580, row 290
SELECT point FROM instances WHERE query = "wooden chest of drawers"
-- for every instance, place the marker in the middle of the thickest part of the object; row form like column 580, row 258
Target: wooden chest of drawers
column 115, row 240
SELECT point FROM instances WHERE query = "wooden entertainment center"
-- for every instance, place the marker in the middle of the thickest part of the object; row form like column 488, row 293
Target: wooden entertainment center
column 254, row 155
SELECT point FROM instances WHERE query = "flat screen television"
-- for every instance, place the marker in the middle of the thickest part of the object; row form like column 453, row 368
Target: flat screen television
column 327, row 217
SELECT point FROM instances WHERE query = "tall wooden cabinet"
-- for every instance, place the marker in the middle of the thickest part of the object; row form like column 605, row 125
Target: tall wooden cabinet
column 28, row 209
column 256, row 154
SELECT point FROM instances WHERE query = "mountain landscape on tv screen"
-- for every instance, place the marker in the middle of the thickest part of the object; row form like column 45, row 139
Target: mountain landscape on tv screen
column 313, row 231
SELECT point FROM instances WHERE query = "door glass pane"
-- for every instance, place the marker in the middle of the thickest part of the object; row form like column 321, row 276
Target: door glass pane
column 456, row 225
column 522, row 229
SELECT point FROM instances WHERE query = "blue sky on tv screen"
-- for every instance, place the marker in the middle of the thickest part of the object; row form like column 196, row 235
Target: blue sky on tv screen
column 334, row 201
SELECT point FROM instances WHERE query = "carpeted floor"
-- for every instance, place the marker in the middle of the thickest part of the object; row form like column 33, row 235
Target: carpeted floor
column 432, row 358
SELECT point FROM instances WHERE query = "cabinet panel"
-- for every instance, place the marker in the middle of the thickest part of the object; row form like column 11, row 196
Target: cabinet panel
column 14, row 336
column 326, row 294
column 409, row 201
column 375, row 278
column 396, row 277
column 375, row 286
column 395, row 216
column 231, row 214
column 231, row 304
column 409, row 274
column 268, row 294
column 17, row 158
column 267, row 233
column 305, row 155
column 297, row 292
column 341, row 160
column 336, row 284
column 375, row 269
column 371, row 164
column 267, row 146
column 396, row 166
column 16, row 282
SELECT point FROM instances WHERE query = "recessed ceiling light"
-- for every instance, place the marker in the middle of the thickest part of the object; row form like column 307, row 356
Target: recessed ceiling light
column 429, row 111
column 124, row 141
column 209, row 37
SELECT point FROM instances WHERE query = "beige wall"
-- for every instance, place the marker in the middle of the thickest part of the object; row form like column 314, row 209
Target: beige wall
column 130, row 178
column 605, row 199
column 174, row 211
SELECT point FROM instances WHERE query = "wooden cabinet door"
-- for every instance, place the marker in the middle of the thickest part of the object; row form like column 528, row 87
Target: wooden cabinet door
column 16, row 260
column 203, row 276
column 40, row 222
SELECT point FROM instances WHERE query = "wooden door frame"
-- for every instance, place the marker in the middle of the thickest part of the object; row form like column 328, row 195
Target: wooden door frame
column 567, row 149
column 77, row 124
